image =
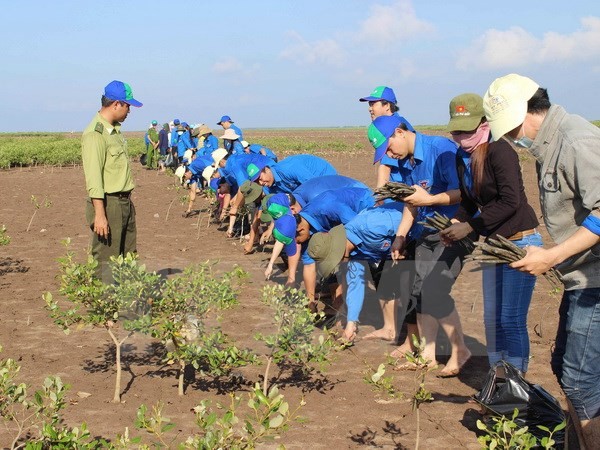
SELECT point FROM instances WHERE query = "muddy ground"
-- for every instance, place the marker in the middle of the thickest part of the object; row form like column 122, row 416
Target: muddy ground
column 341, row 410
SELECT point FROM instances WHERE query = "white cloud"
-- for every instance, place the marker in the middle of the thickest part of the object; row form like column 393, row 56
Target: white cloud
column 227, row 65
column 393, row 23
column 324, row 51
column 516, row 47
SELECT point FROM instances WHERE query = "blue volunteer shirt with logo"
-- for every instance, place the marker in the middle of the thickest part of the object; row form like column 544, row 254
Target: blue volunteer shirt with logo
column 434, row 169
column 256, row 148
column 235, row 170
column 307, row 191
column 182, row 142
column 294, row 170
column 336, row 207
column 397, row 173
column 210, row 144
column 372, row 231
column 198, row 165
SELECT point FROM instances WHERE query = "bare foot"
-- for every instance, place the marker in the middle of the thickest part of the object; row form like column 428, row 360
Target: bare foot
column 402, row 350
column 455, row 364
column 383, row 334
column 349, row 333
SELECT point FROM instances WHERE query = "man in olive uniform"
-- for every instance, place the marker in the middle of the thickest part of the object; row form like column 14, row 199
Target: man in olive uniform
column 109, row 183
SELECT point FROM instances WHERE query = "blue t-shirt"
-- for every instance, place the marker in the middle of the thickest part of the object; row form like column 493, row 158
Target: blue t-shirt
column 373, row 230
column 198, row 165
column 183, row 142
column 256, row 148
column 294, row 170
column 336, row 207
column 435, row 171
column 210, row 144
column 235, row 170
column 316, row 186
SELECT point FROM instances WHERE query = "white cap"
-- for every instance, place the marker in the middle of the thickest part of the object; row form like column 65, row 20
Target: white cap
column 208, row 173
column 218, row 155
column 505, row 103
column 245, row 144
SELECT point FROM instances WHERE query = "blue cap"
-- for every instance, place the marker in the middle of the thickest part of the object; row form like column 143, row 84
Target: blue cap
column 285, row 232
column 380, row 130
column 121, row 92
column 278, row 205
column 381, row 93
column 253, row 170
column 176, row 122
column 184, row 124
column 224, row 119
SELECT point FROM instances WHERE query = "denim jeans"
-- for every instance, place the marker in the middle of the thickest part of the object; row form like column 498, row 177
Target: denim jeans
column 506, row 298
column 576, row 356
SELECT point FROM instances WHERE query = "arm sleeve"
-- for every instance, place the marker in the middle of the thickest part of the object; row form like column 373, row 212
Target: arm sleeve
column 507, row 172
column 93, row 154
column 355, row 294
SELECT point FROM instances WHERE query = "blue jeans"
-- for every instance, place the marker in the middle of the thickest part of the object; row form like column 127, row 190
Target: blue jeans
column 506, row 298
column 576, row 356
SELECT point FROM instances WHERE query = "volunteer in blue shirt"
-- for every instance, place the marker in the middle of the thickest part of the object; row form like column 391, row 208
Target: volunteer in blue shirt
column 310, row 189
column 382, row 102
column 289, row 173
column 227, row 124
column 232, row 143
column 210, row 142
column 364, row 242
column 328, row 210
column 193, row 173
column 431, row 161
column 259, row 149
column 234, row 169
column 182, row 141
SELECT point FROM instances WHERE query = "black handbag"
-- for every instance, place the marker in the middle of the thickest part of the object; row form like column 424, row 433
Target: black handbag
column 143, row 159
column 536, row 406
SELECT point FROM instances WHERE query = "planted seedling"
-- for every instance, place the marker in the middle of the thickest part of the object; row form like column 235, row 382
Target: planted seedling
column 115, row 306
column 293, row 342
column 46, row 204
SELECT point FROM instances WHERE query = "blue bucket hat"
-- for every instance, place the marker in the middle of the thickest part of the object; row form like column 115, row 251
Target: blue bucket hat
column 380, row 93
column 285, row 232
column 253, row 170
column 380, row 130
column 121, row 92
column 224, row 119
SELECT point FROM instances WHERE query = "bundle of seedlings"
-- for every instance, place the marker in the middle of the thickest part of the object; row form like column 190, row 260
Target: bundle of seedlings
column 393, row 190
column 439, row 222
column 504, row 251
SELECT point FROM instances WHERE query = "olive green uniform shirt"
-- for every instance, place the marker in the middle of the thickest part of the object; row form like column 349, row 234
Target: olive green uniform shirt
column 105, row 159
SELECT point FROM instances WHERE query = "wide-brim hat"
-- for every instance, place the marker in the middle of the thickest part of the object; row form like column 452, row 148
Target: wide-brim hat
column 208, row 172
column 505, row 103
column 251, row 191
column 327, row 249
column 218, row 155
column 230, row 134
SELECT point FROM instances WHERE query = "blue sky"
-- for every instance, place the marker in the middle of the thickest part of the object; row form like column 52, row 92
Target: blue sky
column 283, row 63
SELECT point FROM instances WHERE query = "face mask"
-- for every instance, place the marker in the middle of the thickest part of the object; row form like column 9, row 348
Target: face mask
column 469, row 141
column 523, row 142
column 180, row 133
